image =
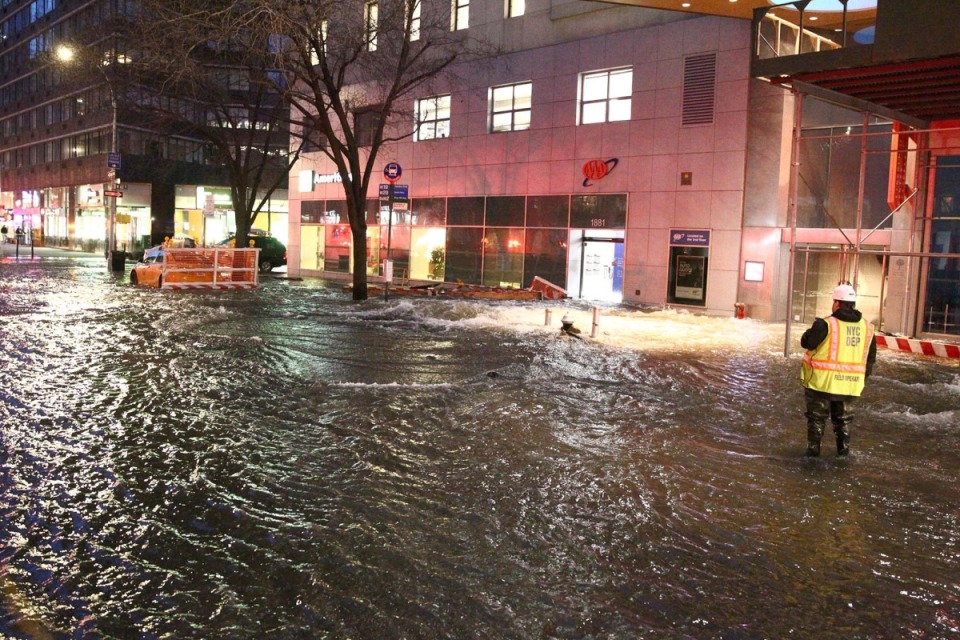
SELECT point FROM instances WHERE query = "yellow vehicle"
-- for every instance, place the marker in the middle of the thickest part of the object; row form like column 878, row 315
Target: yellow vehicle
column 149, row 271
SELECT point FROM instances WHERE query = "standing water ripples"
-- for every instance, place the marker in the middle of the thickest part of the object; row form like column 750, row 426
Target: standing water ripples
column 287, row 463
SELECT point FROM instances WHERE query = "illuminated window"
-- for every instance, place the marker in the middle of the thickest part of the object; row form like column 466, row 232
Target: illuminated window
column 433, row 118
column 460, row 14
column 322, row 42
column 516, row 8
column 371, row 23
column 413, row 6
column 605, row 96
column 510, row 107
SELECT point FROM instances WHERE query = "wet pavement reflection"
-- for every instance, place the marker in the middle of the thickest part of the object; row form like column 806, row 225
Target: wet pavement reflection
column 287, row 463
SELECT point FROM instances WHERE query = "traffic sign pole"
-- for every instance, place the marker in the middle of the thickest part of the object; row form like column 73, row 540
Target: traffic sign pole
column 391, row 173
column 389, row 272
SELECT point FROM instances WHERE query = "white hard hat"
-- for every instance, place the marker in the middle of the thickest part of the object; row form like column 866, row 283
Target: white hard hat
column 845, row 293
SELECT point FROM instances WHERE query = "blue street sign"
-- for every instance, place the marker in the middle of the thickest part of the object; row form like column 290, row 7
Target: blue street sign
column 113, row 160
column 392, row 171
column 400, row 191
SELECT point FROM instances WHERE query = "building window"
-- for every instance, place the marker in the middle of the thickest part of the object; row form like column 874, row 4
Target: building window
column 510, row 107
column 460, row 15
column 321, row 43
column 605, row 96
column 433, row 118
column 413, row 7
column 365, row 127
column 515, row 8
column 314, row 141
column 371, row 20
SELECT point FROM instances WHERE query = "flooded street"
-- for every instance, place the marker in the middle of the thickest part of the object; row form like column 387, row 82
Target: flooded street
column 286, row 463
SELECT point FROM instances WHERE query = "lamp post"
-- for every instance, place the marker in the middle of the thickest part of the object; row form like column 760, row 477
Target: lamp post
column 115, row 261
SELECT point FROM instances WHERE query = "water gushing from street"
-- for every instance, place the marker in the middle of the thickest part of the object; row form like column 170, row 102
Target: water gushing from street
column 287, row 463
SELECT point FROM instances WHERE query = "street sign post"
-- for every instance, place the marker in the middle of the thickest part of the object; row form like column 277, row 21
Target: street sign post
column 391, row 173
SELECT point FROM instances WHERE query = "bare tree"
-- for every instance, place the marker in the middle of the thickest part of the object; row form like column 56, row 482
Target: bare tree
column 198, row 68
column 354, row 68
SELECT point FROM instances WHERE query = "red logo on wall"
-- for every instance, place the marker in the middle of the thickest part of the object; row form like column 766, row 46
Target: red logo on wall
column 594, row 170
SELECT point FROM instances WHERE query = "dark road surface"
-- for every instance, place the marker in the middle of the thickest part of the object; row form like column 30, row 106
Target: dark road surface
column 286, row 463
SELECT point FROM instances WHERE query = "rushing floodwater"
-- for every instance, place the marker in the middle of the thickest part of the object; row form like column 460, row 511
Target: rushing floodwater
column 286, row 463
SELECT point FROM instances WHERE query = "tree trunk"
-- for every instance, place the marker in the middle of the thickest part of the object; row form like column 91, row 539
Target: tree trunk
column 360, row 265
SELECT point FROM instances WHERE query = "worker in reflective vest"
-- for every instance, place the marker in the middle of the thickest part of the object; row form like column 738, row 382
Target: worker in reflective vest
column 841, row 350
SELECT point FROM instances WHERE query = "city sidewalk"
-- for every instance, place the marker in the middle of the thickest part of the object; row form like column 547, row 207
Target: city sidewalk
column 12, row 252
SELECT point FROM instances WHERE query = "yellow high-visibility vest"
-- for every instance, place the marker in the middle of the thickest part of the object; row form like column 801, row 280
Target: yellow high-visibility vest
column 839, row 364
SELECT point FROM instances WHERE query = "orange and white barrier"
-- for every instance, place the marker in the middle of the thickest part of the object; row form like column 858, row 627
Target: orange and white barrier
column 549, row 290
column 925, row 347
column 210, row 268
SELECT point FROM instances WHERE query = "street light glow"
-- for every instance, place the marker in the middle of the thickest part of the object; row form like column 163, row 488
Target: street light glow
column 65, row 53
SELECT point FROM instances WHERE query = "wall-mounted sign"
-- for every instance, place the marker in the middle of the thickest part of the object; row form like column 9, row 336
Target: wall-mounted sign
column 690, row 277
column 753, row 271
column 309, row 179
column 595, row 170
column 327, row 178
column 689, row 238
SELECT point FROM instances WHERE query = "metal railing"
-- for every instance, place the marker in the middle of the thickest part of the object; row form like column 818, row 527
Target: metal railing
column 791, row 29
column 210, row 268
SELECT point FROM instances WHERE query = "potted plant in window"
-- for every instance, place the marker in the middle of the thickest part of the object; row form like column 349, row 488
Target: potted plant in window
column 437, row 260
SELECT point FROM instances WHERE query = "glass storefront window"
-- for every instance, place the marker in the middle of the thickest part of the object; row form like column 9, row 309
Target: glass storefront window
column 338, row 252
column 373, row 253
column 427, row 253
column 428, row 212
column 311, row 211
column 311, row 247
column 608, row 211
column 829, row 184
column 335, row 212
column 398, row 241
column 545, row 255
column 548, row 211
column 373, row 210
column 941, row 313
column 503, row 257
column 464, row 261
column 185, row 197
column 505, row 211
column 467, row 212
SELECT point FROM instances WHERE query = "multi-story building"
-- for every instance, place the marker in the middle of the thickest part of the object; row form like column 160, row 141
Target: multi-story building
column 65, row 141
column 697, row 155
